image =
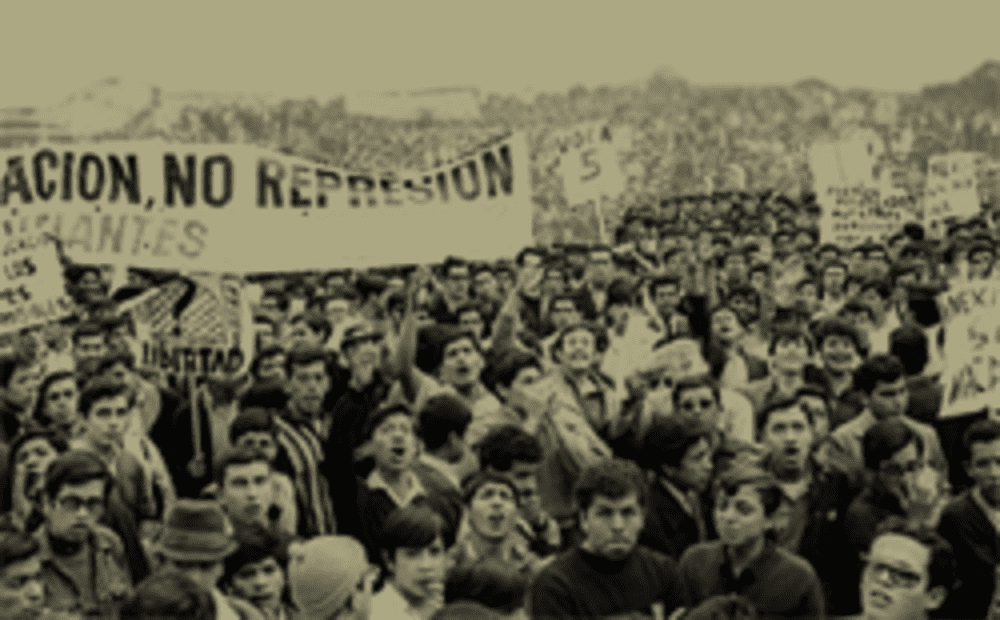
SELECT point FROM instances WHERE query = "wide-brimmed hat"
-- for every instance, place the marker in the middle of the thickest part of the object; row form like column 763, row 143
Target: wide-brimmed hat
column 196, row 531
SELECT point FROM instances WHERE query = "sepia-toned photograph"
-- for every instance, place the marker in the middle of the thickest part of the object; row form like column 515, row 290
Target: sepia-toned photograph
column 542, row 310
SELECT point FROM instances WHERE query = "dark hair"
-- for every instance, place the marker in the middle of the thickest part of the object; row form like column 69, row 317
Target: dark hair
column 781, row 405
column 981, row 431
column 383, row 413
column 257, row 543
column 570, row 297
column 9, row 364
column 252, row 420
column 667, row 280
column 168, row 595
column 99, row 389
column 39, row 414
column 263, row 354
column 482, row 478
column 612, row 478
column 909, row 344
column 88, row 329
column 237, row 456
column 304, row 356
column 504, row 371
column 114, row 357
column 16, row 546
column 505, row 445
column 886, row 438
column 267, row 396
column 730, row 482
column 879, row 368
column 837, row 326
column 784, row 333
column 412, row 527
column 453, row 261
column 942, row 566
column 694, row 383
column 668, row 440
column 881, row 287
column 599, row 334
column 441, row 416
column 315, row 322
column 76, row 467
column 490, row 582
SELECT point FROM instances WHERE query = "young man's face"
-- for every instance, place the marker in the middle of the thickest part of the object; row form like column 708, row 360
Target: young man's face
column 108, row 420
column 261, row 583
column 462, row 364
column 89, row 348
column 120, row 373
column 740, row 518
column 363, row 353
column 337, row 310
column 980, row 263
column 564, row 314
column 525, row 478
column 493, row 510
column 205, row 574
column 791, row 354
column 73, row 512
column 890, row 399
column 23, row 387
column 554, row 282
column 758, row 280
column 394, row 443
column 667, row 297
column 894, row 584
column 599, row 268
column 699, row 403
column 873, row 300
column 611, row 527
column 457, row 281
column 984, row 468
column 248, row 491
column 579, row 350
column 519, row 394
column 695, row 469
column 32, row 459
column 22, row 591
column 259, row 440
column 472, row 321
column 486, row 285
column 834, row 278
column 897, row 473
column 725, row 326
column 789, row 436
column 819, row 410
column 419, row 571
column 307, row 386
column 272, row 368
column 300, row 334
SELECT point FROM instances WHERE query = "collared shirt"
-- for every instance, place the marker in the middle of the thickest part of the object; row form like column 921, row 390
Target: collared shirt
column 414, row 488
column 390, row 604
column 109, row 575
column 992, row 514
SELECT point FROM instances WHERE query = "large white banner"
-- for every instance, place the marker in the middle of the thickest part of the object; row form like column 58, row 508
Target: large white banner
column 32, row 287
column 235, row 208
column 972, row 347
column 951, row 186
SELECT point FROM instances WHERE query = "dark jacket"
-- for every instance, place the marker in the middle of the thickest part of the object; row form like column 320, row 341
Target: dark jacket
column 977, row 552
column 669, row 528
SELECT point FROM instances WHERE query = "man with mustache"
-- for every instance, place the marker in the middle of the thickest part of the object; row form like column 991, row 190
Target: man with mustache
column 908, row 573
column 608, row 574
column 971, row 523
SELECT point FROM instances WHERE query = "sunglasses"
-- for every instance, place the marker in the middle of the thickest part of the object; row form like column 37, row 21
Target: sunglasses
column 895, row 577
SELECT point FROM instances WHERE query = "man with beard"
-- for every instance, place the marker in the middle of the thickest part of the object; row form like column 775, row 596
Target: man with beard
column 814, row 499
column 745, row 561
column 678, row 456
column 971, row 523
column 909, row 572
column 609, row 573
column 489, row 529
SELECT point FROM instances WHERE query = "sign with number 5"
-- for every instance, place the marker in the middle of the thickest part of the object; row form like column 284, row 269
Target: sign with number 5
column 590, row 168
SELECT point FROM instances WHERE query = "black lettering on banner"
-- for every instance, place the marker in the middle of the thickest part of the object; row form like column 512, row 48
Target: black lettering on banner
column 82, row 232
column 206, row 355
column 442, row 181
column 121, row 178
column 300, row 180
column 588, row 161
column 353, row 181
column 88, row 161
column 390, row 187
column 270, row 172
column 44, row 189
column 165, row 236
column 190, row 362
column 499, row 172
column 218, row 361
column 195, row 232
column 326, row 181
column 141, row 221
column 67, row 176
column 176, row 180
column 208, row 176
column 420, row 194
column 116, row 236
column 15, row 180
column 456, row 176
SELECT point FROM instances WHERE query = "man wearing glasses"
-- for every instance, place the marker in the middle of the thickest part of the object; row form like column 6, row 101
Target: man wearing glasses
column 908, row 573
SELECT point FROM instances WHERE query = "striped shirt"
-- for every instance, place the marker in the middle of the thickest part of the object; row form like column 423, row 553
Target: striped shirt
column 304, row 450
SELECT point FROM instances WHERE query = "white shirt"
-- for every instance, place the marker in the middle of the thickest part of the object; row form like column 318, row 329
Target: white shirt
column 389, row 604
column 414, row 488
column 223, row 610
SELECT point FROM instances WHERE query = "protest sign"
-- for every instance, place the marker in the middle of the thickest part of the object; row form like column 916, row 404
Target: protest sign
column 198, row 325
column 971, row 376
column 32, row 288
column 951, row 187
column 588, row 162
column 235, row 208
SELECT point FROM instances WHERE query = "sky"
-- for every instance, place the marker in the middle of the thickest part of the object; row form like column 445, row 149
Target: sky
column 324, row 49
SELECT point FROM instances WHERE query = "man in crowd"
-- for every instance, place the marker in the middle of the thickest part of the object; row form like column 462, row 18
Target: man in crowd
column 608, row 574
column 330, row 578
column 22, row 591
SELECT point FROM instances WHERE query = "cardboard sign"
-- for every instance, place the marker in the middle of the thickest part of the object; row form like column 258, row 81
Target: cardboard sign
column 951, row 187
column 971, row 375
column 588, row 163
column 32, row 288
column 235, row 208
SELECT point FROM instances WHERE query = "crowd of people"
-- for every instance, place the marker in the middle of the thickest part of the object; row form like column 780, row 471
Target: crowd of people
column 716, row 414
